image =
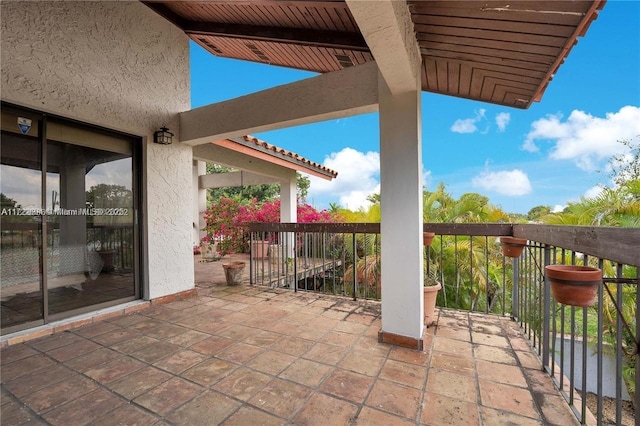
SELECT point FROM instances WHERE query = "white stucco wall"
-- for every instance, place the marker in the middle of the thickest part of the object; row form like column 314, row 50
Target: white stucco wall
column 119, row 65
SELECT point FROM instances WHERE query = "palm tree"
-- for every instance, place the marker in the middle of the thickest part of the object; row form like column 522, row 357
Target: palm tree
column 618, row 206
column 468, row 266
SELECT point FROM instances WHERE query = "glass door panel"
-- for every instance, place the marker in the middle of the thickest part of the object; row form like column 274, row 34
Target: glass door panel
column 84, row 255
column 90, row 193
column 21, row 296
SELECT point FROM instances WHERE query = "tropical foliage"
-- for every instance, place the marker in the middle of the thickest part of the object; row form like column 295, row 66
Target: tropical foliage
column 247, row 193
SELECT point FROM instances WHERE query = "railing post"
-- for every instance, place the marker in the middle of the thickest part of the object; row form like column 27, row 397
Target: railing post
column 295, row 263
column 599, row 345
column 546, row 299
column 252, row 280
column 355, row 265
column 637, row 356
column 515, row 293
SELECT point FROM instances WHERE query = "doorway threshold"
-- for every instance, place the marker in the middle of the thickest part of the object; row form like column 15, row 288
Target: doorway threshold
column 73, row 322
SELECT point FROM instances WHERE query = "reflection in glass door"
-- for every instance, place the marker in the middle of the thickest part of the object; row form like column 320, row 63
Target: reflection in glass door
column 90, row 196
column 83, row 255
column 21, row 221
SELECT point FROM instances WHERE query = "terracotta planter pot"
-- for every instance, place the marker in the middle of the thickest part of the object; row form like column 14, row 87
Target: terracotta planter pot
column 429, row 294
column 512, row 247
column 233, row 272
column 259, row 249
column 574, row 285
column 427, row 238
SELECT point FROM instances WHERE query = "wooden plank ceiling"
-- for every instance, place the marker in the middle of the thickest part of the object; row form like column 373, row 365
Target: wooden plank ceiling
column 502, row 52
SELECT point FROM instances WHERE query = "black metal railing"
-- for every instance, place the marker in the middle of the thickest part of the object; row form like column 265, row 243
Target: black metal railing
column 590, row 352
column 337, row 259
column 575, row 345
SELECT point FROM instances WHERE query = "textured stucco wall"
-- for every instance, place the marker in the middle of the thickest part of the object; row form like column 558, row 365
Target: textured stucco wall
column 119, row 65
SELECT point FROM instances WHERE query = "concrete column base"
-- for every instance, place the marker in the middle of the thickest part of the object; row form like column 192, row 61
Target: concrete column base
column 403, row 341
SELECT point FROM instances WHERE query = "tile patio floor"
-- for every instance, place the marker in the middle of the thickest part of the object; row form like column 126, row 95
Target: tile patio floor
column 245, row 355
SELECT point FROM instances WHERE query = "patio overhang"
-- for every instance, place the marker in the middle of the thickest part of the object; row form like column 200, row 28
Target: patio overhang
column 256, row 148
column 259, row 158
column 501, row 52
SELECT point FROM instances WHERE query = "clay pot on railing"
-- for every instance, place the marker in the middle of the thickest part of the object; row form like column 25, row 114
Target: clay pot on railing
column 512, row 247
column 427, row 238
column 574, row 285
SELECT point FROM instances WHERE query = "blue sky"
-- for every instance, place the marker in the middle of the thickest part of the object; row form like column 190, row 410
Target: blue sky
column 552, row 153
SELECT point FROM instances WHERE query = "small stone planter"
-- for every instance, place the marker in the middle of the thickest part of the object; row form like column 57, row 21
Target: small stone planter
column 512, row 247
column 427, row 238
column 574, row 285
column 208, row 251
column 233, row 272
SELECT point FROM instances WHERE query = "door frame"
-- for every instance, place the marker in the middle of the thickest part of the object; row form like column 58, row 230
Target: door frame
column 138, row 194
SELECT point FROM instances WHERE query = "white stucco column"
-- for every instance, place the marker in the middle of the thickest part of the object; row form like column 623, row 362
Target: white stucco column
column 288, row 199
column 401, row 213
column 289, row 207
column 199, row 200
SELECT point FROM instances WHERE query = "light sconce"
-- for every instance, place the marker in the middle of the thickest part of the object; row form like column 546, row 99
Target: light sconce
column 163, row 136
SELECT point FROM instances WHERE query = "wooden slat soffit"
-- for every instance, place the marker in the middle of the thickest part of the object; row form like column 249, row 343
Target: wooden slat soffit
column 308, row 35
column 502, row 52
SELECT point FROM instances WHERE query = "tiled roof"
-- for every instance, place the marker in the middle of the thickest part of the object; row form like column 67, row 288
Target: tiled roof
column 283, row 154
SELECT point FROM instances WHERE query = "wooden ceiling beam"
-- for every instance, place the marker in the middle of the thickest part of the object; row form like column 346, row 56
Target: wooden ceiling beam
column 298, row 36
column 166, row 12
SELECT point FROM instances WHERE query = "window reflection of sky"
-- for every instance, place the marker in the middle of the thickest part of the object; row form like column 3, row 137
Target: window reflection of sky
column 24, row 186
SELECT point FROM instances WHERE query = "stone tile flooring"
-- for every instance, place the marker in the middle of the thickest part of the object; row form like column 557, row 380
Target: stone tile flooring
column 247, row 356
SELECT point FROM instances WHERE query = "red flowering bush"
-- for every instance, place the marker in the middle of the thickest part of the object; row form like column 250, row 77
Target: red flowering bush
column 227, row 221
column 221, row 225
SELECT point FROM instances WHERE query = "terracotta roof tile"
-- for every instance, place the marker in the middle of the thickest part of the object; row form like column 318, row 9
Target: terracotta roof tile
column 294, row 156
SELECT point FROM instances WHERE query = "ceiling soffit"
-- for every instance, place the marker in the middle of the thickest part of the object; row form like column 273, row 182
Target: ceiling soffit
column 502, row 52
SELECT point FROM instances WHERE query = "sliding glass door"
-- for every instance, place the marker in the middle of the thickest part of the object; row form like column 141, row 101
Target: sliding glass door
column 21, row 189
column 76, row 248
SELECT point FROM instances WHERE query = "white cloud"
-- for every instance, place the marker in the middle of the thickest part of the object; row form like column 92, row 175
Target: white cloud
column 358, row 177
column 593, row 192
column 502, row 120
column 584, row 138
column 468, row 125
column 558, row 208
column 514, row 182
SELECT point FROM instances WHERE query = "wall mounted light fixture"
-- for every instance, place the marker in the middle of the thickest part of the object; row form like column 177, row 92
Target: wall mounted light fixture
column 163, row 136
